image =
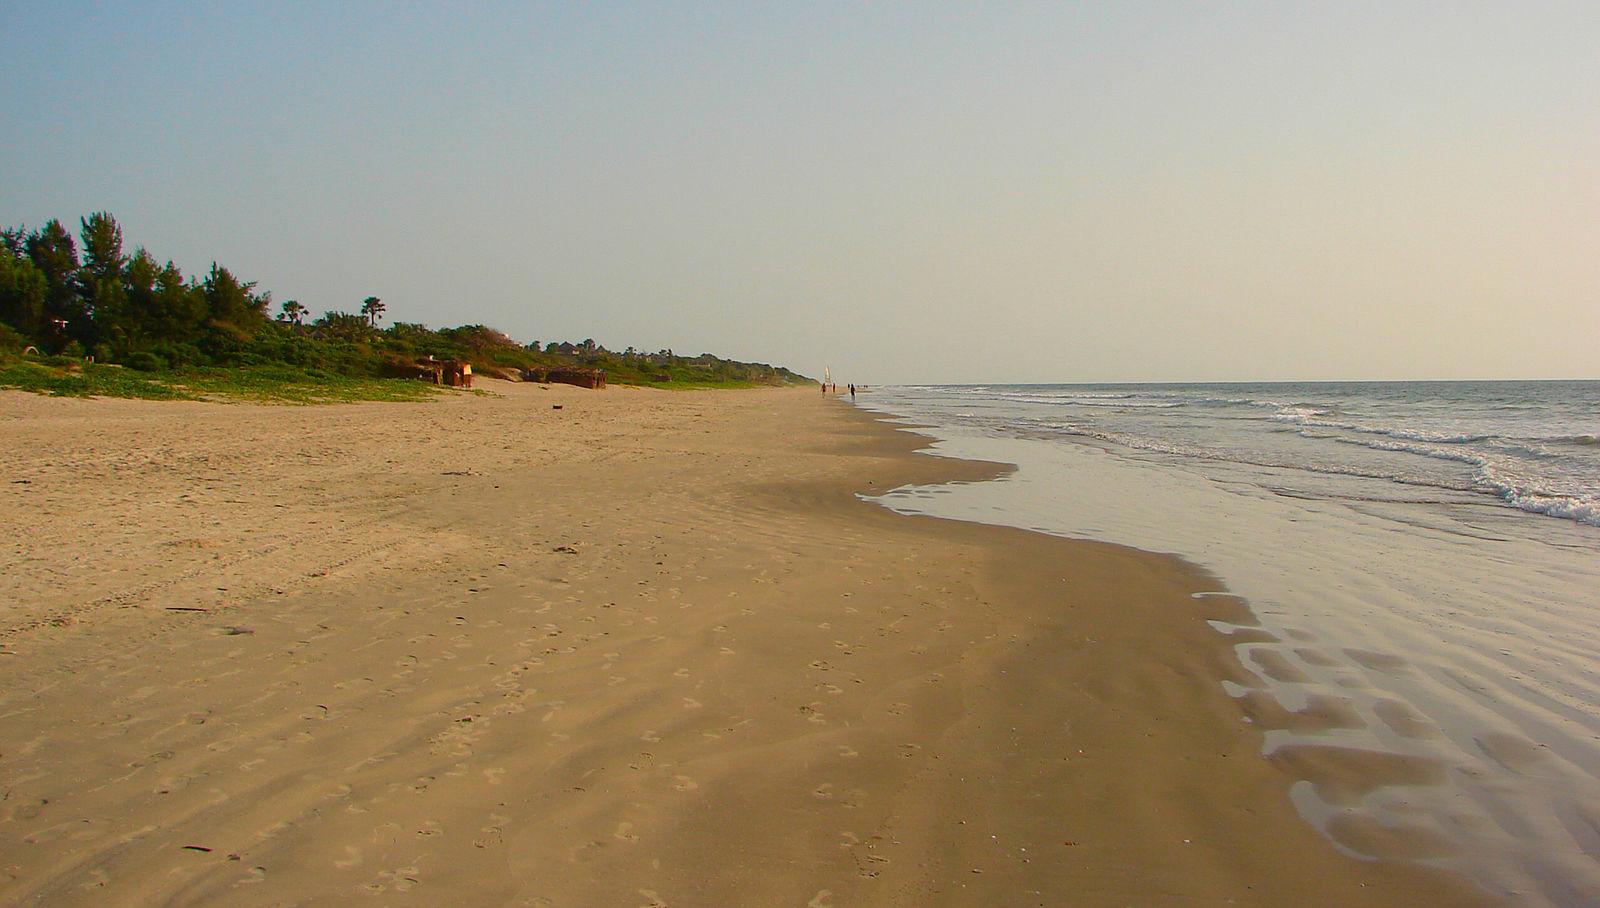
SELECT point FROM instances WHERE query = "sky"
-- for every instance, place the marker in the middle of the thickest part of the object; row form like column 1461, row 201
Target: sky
column 929, row 192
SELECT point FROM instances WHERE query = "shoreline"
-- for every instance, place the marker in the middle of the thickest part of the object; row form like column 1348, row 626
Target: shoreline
column 1442, row 631
column 649, row 647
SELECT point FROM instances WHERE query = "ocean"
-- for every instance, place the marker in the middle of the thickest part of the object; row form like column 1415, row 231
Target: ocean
column 1424, row 554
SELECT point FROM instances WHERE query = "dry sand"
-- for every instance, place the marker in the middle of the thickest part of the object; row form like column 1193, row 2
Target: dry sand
column 647, row 649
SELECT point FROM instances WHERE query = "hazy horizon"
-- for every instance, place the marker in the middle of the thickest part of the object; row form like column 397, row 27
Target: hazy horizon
column 1085, row 193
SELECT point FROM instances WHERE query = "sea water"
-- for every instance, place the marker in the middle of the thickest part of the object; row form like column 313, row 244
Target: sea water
column 1427, row 552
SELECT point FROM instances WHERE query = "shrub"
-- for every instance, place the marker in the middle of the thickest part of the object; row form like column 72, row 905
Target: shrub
column 145, row 361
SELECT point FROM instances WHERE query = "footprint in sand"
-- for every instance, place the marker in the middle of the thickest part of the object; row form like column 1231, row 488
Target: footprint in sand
column 691, row 703
column 353, row 858
column 655, row 901
column 27, row 811
column 98, row 879
column 846, row 751
column 725, row 651
column 492, row 776
column 823, row 792
column 401, row 879
column 252, row 876
column 684, row 783
column 429, row 828
column 625, row 833
column 823, row 899
column 681, row 673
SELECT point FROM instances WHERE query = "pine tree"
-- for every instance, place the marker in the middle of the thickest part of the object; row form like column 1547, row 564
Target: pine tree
column 54, row 253
column 22, row 294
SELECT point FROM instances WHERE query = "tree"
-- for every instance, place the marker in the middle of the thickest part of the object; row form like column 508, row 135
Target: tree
column 343, row 325
column 56, row 256
column 22, row 294
column 15, row 240
column 372, row 307
column 139, row 279
column 102, row 246
column 293, row 312
column 178, row 309
column 100, row 285
column 230, row 301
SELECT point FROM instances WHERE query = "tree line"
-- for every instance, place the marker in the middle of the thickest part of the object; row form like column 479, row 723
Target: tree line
column 85, row 296
column 111, row 305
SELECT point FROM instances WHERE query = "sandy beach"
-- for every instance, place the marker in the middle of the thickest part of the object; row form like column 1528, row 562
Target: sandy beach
column 648, row 648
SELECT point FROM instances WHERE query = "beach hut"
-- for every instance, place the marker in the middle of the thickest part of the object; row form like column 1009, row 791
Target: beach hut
column 457, row 373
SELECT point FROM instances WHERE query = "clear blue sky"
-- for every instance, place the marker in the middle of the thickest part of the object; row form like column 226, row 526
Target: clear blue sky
column 933, row 192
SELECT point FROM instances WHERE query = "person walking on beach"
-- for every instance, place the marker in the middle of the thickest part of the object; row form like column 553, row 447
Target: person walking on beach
column 852, row 391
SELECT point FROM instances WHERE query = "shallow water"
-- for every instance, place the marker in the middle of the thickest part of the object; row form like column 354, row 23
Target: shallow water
column 1446, row 620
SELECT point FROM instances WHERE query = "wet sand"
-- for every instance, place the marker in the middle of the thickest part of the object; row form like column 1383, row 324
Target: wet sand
column 647, row 649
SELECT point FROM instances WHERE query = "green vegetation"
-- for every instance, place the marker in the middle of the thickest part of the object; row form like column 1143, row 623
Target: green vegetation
column 109, row 324
column 262, row 384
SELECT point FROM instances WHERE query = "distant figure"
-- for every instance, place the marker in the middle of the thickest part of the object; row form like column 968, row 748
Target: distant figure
column 852, row 391
column 824, row 388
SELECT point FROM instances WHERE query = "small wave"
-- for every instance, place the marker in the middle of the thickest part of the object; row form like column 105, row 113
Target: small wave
column 1585, row 441
column 1582, row 510
column 1351, row 470
column 1295, row 413
column 1125, row 401
column 1438, row 438
column 1304, row 417
column 1407, row 448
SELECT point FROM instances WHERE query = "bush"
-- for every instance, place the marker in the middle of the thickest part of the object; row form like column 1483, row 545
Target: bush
column 10, row 340
column 145, row 361
column 178, row 356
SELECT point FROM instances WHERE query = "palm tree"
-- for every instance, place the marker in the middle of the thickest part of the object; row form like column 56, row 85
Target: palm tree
column 293, row 312
column 372, row 307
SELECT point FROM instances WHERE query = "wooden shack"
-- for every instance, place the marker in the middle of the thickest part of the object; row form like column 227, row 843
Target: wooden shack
column 594, row 379
column 452, row 372
column 457, row 373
